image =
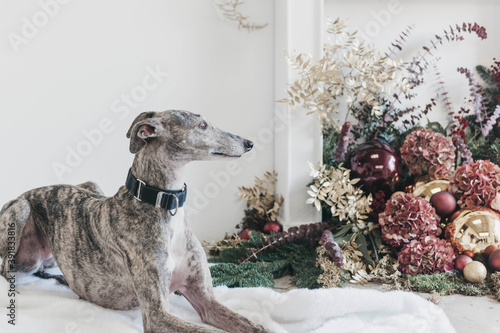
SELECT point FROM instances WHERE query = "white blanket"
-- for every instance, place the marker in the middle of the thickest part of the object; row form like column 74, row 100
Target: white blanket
column 45, row 306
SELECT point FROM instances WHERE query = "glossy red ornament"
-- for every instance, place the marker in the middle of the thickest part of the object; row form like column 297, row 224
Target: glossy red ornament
column 270, row 227
column 489, row 249
column 378, row 166
column 461, row 261
column 245, row 234
column 494, row 260
column 444, row 203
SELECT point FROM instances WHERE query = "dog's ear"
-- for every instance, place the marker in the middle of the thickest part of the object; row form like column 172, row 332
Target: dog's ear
column 143, row 127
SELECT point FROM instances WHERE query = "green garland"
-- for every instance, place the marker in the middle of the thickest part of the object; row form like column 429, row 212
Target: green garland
column 449, row 284
column 296, row 258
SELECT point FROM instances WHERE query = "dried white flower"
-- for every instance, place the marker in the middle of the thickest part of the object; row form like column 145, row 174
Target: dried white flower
column 335, row 188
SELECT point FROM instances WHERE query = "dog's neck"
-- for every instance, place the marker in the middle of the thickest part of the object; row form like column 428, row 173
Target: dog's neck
column 154, row 172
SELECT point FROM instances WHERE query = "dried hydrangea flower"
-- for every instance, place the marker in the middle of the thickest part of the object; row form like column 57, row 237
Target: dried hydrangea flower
column 476, row 184
column 407, row 217
column 427, row 152
column 426, row 255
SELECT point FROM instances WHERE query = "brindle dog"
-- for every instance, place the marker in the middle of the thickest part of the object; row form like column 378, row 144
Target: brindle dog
column 120, row 252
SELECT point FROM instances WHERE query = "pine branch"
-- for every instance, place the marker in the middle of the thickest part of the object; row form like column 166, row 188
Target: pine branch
column 311, row 231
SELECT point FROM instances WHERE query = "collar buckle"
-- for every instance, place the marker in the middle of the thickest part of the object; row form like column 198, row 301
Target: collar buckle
column 139, row 188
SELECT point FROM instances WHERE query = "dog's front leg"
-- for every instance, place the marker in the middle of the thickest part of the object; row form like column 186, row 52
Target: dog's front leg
column 151, row 280
column 199, row 292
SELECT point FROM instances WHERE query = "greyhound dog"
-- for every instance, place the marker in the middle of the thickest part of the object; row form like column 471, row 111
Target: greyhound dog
column 135, row 248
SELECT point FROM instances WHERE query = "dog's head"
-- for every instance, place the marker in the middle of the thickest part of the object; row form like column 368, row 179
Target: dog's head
column 185, row 136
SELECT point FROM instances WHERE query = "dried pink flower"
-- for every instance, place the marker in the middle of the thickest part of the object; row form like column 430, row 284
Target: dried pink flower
column 475, row 184
column 427, row 152
column 426, row 255
column 407, row 217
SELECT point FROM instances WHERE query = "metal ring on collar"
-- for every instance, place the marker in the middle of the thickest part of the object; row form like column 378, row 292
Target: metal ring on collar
column 176, row 205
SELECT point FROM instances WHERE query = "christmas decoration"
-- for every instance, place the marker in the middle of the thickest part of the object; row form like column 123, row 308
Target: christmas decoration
column 407, row 217
column 494, row 260
column 475, row 184
column 377, row 166
column 245, row 234
column 271, row 227
column 444, row 203
column 475, row 272
column 489, row 249
column 426, row 189
column 461, row 261
column 474, row 229
column 427, row 152
column 426, row 255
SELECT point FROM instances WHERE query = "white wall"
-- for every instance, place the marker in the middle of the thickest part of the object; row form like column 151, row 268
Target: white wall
column 72, row 76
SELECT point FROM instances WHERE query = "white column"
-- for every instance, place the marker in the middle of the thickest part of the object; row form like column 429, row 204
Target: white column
column 299, row 28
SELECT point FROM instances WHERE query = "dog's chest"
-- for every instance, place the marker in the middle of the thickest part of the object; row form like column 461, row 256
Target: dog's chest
column 177, row 251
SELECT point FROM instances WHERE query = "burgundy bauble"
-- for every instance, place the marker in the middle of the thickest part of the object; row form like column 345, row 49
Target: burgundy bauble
column 378, row 166
column 444, row 203
column 245, row 234
column 461, row 261
column 489, row 250
column 270, row 227
column 494, row 260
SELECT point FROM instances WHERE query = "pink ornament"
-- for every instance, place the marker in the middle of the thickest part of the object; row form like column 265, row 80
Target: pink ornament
column 494, row 260
column 444, row 203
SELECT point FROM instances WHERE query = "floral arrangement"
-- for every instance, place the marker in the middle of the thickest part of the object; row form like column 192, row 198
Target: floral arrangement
column 476, row 184
column 426, row 152
column 426, row 255
column 383, row 236
column 407, row 217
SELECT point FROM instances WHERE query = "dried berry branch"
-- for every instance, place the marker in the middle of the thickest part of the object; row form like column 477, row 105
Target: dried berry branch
column 332, row 248
column 311, row 231
column 343, row 142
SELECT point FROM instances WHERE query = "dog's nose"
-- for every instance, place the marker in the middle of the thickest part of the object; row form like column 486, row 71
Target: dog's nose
column 248, row 145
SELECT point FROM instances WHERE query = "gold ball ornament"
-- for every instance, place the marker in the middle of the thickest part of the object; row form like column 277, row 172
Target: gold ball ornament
column 475, row 272
column 476, row 229
column 426, row 189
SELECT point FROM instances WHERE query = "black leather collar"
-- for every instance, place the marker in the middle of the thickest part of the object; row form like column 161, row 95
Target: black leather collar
column 166, row 199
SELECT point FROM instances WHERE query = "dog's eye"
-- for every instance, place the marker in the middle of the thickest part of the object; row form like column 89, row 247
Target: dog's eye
column 203, row 125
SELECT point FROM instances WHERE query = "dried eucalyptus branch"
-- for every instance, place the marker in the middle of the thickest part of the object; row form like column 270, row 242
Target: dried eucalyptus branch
column 442, row 92
column 397, row 45
column 351, row 75
column 230, row 11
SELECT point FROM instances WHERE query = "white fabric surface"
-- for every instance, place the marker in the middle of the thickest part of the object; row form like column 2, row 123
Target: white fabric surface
column 45, row 306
